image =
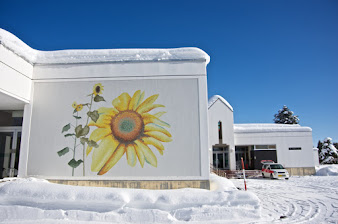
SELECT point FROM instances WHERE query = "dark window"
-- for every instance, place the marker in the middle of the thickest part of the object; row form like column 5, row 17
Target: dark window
column 220, row 130
column 276, row 166
column 295, row 148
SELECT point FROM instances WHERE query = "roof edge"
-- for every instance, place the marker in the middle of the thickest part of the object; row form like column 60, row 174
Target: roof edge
column 34, row 56
column 269, row 127
column 214, row 98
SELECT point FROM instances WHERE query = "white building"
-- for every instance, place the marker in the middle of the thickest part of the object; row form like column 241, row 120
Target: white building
column 115, row 117
column 89, row 117
column 290, row 145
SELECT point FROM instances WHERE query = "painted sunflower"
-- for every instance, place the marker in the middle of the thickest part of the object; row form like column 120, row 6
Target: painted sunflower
column 79, row 107
column 129, row 129
column 74, row 105
column 97, row 89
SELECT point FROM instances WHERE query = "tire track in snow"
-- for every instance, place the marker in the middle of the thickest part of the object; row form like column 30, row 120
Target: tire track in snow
column 308, row 199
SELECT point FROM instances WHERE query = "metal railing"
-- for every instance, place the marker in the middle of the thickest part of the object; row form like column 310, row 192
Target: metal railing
column 217, row 171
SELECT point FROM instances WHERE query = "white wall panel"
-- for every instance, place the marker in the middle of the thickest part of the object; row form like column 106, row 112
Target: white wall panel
column 14, row 61
column 14, row 83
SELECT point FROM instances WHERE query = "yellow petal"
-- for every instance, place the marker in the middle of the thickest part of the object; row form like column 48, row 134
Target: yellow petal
column 148, row 118
column 131, row 155
column 139, row 101
column 113, row 159
column 107, row 111
column 104, row 121
column 155, row 127
column 150, row 100
column 97, row 135
column 88, row 150
column 134, row 99
column 152, row 141
column 121, row 103
column 102, row 153
column 148, row 108
column 148, row 154
column 159, row 114
column 139, row 152
column 159, row 136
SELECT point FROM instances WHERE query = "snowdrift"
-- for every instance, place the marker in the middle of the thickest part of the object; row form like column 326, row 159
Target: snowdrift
column 327, row 170
column 32, row 199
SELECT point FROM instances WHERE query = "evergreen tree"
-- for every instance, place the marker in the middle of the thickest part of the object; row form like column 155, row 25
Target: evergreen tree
column 335, row 144
column 328, row 154
column 285, row 116
column 319, row 147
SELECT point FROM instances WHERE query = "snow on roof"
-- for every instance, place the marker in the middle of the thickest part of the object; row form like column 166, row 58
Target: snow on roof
column 33, row 56
column 258, row 128
column 214, row 98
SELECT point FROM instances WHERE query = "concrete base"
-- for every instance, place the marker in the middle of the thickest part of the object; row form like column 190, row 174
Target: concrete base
column 151, row 184
column 301, row 171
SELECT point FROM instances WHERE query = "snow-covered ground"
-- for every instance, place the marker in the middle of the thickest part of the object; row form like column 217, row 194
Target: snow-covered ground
column 38, row 201
column 308, row 199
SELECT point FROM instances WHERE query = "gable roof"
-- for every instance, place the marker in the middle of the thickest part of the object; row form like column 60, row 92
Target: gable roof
column 214, row 98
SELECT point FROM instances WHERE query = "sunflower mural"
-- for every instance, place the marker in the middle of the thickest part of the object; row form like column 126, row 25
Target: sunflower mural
column 79, row 129
column 127, row 129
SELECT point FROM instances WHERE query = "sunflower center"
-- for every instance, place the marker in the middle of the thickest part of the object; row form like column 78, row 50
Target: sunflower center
column 97, row 89
column 127, row 126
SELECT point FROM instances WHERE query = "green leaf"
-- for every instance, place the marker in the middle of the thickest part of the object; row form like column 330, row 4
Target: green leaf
column 63, row 151
column 76, row 117
column 83, row 140
column 98, row 98
column 74, row 111
column 93, row 115
column 92, row 143
column 79, row 131
column 66, row 128
column 73, row 163
column 67, row 135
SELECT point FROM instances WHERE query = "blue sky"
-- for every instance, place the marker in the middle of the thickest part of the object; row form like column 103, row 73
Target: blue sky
column 264, row 54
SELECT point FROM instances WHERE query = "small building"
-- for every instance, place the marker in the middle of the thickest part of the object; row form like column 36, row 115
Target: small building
column 290, row 145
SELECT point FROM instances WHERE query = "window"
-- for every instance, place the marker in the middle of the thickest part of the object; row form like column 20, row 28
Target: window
column 220, row 130
column 295, row 148
column 221, row 157
column 276, row 166
column 264, row 147
column 220, row 148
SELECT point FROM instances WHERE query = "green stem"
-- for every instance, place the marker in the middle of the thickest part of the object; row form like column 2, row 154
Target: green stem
column 84, row 145
column 90, row 108
column 84, row 168
column 77, row 114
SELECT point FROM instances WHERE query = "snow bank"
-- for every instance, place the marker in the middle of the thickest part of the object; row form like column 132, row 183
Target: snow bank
column 254, row 128
column 29, row 199
column 106, row 55
column 327, row 170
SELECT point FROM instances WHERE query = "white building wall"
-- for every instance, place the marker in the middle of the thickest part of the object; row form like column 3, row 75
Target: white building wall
column 283, row 141
column 315, row 156
column 15, row 75
column 182, row 90
column 221, row 112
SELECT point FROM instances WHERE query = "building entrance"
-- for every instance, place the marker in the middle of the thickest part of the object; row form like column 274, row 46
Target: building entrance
column 220, row 157
column 10, row 140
